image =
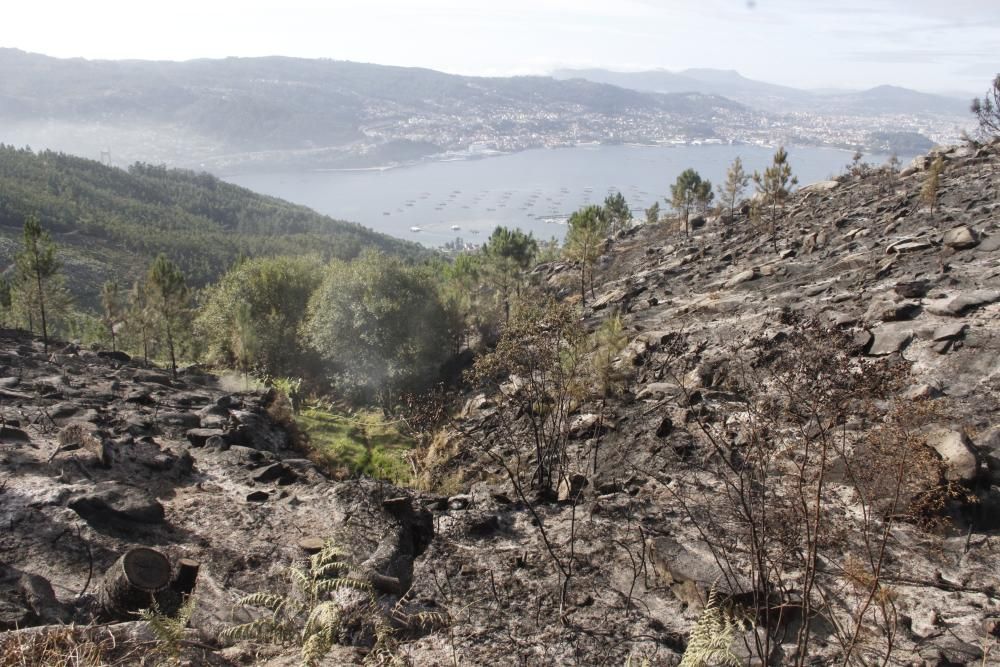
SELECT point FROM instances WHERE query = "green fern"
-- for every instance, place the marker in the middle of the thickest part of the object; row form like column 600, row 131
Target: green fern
column 169, row 630
column 712, row 637
column 305, row 615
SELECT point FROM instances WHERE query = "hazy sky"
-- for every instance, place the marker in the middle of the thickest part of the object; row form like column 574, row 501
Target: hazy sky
column 931, row 45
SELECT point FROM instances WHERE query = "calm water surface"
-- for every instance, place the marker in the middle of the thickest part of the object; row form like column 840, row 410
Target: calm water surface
column 534, row 190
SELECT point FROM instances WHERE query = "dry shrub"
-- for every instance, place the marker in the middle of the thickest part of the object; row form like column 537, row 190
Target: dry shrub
column 61, row 647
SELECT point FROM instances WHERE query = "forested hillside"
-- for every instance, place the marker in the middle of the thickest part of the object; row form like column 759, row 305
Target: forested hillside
column 111, row 222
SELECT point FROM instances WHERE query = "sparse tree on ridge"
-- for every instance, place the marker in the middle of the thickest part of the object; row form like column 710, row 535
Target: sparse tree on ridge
column 112, row 307
column 736, row 183
column 6, row 300
column 653, row 213
column 987, row 109
column 688, row 192
column 37, row 267
column 169, row 296
column 588, row 227
column 140, row 317
column 509, row 253
column 618, row 213
column 929, row 191
column 775, row 185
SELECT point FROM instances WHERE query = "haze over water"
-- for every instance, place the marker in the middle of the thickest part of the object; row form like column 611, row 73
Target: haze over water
column 533, row 190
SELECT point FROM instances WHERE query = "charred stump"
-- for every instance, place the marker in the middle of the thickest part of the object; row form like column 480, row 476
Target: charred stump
column 181, row 586
column 133, row 582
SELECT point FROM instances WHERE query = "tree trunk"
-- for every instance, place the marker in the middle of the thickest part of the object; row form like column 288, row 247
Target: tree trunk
column 132, row 582
column 41, row 311
column 583, row 283
column 170, row 346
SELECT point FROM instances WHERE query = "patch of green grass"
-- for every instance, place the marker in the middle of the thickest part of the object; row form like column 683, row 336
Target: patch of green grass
column 363, row 442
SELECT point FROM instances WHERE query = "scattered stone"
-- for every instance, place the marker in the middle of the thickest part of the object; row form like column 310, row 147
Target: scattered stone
column 115, row 504
column 312, row 545
column 961, row 238
column 570, row 488
column 257, row 496
column 961, row 304
column 914, row 289
column 277, row 472
column 949, row 331
column 199, row 436
column 889, row 339
column 957, row 453
column 742, row 277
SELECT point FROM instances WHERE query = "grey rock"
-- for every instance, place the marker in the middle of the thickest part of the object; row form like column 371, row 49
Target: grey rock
column 199, row 436
column 113, row 503
column 949, row 331
column 889, row 339
column 961, row 238
column 957, row 454
column 963, row 303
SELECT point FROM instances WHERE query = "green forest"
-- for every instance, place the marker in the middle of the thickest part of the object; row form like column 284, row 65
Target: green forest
column 110, row 223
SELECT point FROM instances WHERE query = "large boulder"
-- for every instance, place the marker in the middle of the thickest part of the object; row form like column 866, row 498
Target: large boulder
column 960, row 238
column 957, row 454
column 117, row 505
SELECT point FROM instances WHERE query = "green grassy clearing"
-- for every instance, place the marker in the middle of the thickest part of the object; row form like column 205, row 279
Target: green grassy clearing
column 361, row 443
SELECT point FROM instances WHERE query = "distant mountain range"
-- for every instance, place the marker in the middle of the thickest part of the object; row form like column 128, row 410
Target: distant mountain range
column 274, row 113
column 329, row 112
column 774, row 98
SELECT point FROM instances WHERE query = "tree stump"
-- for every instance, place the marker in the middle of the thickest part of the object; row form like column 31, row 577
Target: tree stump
column 131, row 583
column 171, row 598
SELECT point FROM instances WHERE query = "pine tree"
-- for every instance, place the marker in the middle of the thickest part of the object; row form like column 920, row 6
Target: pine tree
column 587, row 229
column 618, row 213
column 168, row 295
column 688, row 192
column 508, row 253
column 987, row 109
column 736, row 183
column 653, row 213
column 6, row 300
column 929, row 191
column 140, row 315
column 774, row 186
column 112, row 315
column 37, row 268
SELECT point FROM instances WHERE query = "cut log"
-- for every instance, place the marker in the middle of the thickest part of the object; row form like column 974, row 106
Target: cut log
column 131, row 583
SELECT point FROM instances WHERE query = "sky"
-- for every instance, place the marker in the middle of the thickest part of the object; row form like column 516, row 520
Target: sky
column 930, row 45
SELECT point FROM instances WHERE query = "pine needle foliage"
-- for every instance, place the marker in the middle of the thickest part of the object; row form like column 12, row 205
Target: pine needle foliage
column 169, row 630
column 712, row 637
column 306, row 615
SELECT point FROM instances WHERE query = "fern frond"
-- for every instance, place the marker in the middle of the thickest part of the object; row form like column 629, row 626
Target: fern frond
column 264, row 600
column 332, row 569
column 331, row 585
column 712, row 637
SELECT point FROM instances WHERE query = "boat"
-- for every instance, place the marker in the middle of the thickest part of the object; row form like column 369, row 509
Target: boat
column 415, row 229
column 455, row 228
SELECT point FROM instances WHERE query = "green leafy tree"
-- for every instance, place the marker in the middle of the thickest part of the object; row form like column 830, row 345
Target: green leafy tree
column 380, row 326
column 111, row 304
column 775, row 185
column 689, row 192
column 263, row 300
column 987, row 109
column 170, row 299
column 461, row 293
column 618, row 213
column 736, row 184
column 246, row 344
column 37, row 269
column 653, row 213
column 508, row 253
column 588, row 228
